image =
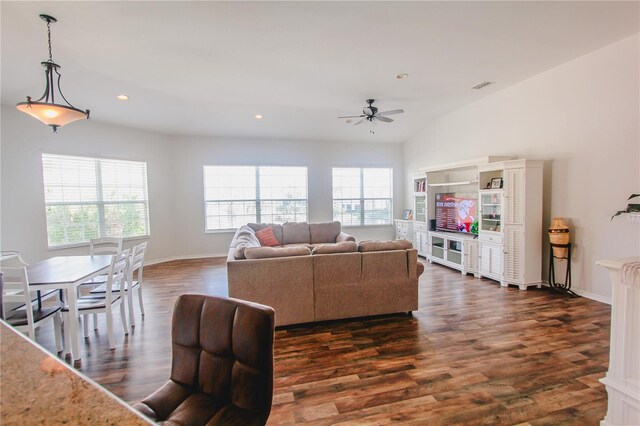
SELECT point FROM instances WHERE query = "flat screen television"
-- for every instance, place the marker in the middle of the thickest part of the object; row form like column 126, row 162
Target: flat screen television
column 456, row 211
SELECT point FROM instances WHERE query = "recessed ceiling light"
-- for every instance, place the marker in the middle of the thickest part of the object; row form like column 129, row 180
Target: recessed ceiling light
column 122, row 97
column 481, row 85
column 402, row 76
column 258, row 116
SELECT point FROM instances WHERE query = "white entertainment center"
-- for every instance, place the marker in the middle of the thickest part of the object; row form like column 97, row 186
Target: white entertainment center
column 508, row 207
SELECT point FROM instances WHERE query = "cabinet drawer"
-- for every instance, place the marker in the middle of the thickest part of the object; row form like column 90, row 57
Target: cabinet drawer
column 420, row 226
column 490, row 238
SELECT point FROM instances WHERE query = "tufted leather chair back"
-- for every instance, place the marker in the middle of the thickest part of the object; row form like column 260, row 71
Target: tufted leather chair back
column 222, row 363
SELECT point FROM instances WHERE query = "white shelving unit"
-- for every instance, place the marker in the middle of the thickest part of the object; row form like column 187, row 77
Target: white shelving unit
column 457, row 251
column 509, row 244
column 510, row 231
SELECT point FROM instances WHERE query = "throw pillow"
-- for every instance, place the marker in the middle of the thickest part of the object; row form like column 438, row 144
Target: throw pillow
column 267, row 238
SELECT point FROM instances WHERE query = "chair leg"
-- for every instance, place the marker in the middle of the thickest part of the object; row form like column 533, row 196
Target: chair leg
column 140, row 298
column 112, row 343
column 95, row 322
column 132, row 318
column 57, row 326
column 124, row 319
column 85, row 326
column 31, row 332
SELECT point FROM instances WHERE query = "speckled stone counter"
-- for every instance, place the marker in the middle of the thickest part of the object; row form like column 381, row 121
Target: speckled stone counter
column 37, row 388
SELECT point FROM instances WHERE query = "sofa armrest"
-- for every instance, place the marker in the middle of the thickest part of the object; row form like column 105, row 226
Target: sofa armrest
column 342, row 236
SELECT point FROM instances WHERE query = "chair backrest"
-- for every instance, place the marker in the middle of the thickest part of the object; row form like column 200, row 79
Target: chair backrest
column 224, row 347
column 137, row 262
column 106, row 245
column 117, row 273
column 15, row 286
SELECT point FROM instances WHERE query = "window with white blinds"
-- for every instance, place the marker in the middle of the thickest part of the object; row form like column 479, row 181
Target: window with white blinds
column 363, row 196
column 237, row 195
column 94, row 197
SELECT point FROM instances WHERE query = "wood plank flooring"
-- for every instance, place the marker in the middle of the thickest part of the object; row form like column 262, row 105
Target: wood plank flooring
column 474, row 354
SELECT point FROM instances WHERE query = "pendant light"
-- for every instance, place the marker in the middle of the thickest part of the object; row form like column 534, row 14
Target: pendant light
column 45, row 109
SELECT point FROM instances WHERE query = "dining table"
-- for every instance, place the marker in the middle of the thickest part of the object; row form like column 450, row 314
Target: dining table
column 67, row 273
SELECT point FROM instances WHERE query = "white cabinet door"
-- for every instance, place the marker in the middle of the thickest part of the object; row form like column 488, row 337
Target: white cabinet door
column 470, row 256
column 514, row 196
column 422, row 243
column 514, row 254
column 491, row 259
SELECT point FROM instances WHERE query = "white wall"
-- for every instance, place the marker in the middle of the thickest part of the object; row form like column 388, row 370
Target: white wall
column 22, row 214
column 190, row 154
column 582, row 118
column 176, row 193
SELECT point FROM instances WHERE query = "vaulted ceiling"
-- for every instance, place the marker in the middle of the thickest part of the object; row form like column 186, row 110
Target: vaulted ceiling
column 206, row 68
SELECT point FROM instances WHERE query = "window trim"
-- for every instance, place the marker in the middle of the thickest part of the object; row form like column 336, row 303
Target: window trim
column 257, row 200
column 362, row 198
column 101, row 224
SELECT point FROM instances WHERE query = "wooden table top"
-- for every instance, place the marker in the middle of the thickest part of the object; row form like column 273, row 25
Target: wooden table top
column 66, row 269
column 37, row 388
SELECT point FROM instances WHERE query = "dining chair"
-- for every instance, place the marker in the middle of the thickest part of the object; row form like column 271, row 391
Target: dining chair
column 97, row 304
column 23, row 315
column 135, row 270
column 105, row 245
column 222, row 366
column 97, row 246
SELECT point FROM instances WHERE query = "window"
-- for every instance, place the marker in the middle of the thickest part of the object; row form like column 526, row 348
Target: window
column 93, row 197
column 237, row 195
column 362, row 196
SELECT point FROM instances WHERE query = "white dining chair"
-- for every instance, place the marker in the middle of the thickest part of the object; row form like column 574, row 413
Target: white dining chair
column 101, row 246
column 105, row 245
column 133, row 282
column 23, row 315
column 97, row 304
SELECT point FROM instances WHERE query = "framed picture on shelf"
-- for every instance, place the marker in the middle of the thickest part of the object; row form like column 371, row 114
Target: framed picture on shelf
column 496, row 183
column 406, row 214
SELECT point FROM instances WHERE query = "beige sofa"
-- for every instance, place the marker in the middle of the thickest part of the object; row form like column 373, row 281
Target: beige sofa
column 313, row 278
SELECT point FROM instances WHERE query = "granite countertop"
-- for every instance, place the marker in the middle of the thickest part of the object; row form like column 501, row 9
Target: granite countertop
column 38, row 388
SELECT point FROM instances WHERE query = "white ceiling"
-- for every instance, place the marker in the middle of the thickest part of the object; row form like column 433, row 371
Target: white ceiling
column 206, row 68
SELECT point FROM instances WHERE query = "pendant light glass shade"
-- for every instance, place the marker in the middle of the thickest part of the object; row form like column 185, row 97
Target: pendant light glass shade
column 45, row 109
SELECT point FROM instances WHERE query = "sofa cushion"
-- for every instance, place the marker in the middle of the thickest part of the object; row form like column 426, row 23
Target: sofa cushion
column 277, row 229
column 328, row 248
column 296, row 232
column 243, row 242
column 326, row 232
column 269, row 252
column 267, row 238
column 384, row 245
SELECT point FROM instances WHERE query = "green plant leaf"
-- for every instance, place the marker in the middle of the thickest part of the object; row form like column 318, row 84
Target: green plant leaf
column 618, row 213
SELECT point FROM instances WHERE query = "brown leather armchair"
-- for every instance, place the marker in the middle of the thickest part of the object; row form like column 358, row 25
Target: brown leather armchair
column 222, row 368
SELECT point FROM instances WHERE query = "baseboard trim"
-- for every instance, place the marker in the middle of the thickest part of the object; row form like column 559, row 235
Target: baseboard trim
column 592, row 296
column 587, row 294
column 191, row 256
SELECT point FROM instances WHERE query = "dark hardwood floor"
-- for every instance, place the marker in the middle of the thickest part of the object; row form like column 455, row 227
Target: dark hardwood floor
column 474, row 354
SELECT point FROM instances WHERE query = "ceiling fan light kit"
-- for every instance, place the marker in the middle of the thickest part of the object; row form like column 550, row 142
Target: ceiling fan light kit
column 371, row 114
column 45, row 108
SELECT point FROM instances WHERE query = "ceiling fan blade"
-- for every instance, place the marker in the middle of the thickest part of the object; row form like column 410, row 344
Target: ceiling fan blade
column 394, row 111
column 358, row 122
column 385, row 119
column 352, row 116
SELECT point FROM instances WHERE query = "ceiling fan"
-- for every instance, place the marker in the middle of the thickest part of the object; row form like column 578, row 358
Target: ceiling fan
column 370, row 113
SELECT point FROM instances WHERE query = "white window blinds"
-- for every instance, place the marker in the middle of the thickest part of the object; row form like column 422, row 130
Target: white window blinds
column 94, row 197
column 363, row 196
column 237, row 195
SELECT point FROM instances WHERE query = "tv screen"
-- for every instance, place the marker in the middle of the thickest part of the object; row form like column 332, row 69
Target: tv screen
column 456, row 212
